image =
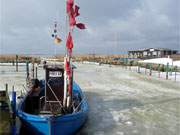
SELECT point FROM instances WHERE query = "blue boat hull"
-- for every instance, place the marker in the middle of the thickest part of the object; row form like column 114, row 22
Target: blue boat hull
column 55, row 125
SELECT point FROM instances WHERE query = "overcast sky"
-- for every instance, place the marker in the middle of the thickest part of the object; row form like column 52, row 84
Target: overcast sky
column 113, row 26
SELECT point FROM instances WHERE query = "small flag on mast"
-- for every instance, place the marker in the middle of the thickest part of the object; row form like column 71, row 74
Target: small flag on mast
column 57, row 39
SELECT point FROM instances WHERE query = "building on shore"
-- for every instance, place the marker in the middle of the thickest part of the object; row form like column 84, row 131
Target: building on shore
column 150, row 53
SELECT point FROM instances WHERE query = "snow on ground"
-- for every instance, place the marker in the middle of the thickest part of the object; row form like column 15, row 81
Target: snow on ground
column 176, row 63
column 173, row 76
column 121, row 102
column 163, row 61
column 127, row 103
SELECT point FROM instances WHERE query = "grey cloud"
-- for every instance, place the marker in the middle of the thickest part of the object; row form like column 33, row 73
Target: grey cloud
column 112, row 26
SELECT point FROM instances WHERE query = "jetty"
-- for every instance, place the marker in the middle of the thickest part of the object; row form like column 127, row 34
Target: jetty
column 5, row 111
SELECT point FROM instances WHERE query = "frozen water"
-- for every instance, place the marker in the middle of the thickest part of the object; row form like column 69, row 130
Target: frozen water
column 121, row 102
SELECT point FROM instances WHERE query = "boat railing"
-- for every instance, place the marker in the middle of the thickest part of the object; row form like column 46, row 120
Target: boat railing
column 25, row 90
column 52, row 104
column 57, row 100
column 77, row 107
column 40, row 102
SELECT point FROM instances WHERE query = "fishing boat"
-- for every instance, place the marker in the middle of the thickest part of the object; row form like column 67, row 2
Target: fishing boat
column 48, row 116
column 55, row 105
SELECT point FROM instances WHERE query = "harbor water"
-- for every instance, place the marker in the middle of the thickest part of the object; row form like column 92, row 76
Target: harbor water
column 121, row 102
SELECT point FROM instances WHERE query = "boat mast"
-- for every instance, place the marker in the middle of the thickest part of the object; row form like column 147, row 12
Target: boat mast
column 67, row 62
column 72, row 11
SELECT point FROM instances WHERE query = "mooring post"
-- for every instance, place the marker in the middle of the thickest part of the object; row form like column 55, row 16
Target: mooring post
column 150, row 72
column 130, row 66
column 6, row 87
column 36, row 72
column 13, row 104
column 126, row 63
column 159, row 70
column 139, row 68
column 170, row 71
column 27, row 69
column 16, row 63
column 175, row 71
column 27, row 73
column 13, row 62
column 33, row 69
column 167, row 69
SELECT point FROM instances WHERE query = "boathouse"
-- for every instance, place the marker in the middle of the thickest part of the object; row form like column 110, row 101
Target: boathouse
column 150, row 53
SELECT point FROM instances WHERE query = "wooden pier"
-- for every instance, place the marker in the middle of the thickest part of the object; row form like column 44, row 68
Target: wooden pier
column 5, row 112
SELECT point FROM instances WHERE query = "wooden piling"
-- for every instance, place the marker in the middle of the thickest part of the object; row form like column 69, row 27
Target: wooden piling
column 150, row 70
column 33, row 70
column 159, row 66
column 13, row 62
column 16, row 63
column 167, row 70
column 145, row 69
column 139, row 68
column 175, row 72
column 6, row 87
column 36, row 73
column 126, row 63
column 27, row 69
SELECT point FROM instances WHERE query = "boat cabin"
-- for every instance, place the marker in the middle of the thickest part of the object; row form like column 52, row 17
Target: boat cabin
column 51, row 91
column 54, row 87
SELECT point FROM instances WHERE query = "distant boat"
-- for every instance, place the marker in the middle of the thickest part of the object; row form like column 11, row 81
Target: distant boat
column 48, row 116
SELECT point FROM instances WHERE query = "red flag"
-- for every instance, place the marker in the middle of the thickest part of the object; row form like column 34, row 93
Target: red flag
column 76, row 10
column 72, row 20
column 81, row 26
column 69, row 5
column 69, row 42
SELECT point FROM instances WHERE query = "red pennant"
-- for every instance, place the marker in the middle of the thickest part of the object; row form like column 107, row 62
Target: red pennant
column 69, row 5
column 67, row 67
column 72, row 20
column 69, row 42
column 81, row 26
column 76, row 11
